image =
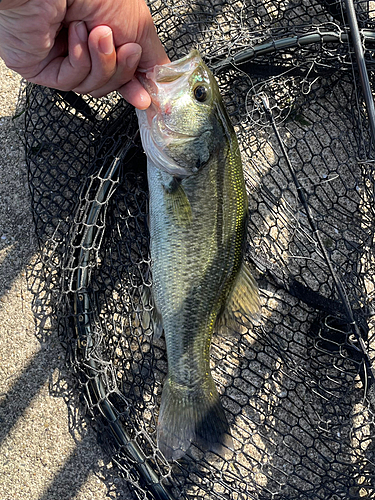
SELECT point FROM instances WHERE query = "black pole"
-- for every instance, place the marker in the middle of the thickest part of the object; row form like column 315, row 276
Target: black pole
column 358, row 49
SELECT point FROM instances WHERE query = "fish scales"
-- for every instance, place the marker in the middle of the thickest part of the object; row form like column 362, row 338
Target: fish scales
column 197, row 213
column 191, row 278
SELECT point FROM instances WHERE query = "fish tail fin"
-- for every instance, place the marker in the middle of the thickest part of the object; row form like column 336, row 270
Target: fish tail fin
column 192, row 416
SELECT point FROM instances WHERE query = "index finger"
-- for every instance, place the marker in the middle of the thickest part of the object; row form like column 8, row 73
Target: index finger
column 61, row 71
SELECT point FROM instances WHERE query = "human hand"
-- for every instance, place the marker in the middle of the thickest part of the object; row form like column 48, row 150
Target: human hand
column 89, row 46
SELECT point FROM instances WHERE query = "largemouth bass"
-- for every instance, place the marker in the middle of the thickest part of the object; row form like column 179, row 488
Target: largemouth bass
column 197, row 215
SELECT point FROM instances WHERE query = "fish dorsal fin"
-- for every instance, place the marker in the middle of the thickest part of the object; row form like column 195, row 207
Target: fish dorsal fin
column 243, row 304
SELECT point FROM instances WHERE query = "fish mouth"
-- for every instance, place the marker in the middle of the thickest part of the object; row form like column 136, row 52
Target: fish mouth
column 160, row 82
column 170, row 72
column 177, row 72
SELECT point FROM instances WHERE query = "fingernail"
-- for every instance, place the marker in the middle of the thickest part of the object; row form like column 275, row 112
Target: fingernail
column 133, row 60
column 106, row 43
column 81, row 31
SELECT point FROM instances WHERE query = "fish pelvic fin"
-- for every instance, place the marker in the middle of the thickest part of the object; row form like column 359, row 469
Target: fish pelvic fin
column 151, row 316
column 192, row 416
column 243, row 304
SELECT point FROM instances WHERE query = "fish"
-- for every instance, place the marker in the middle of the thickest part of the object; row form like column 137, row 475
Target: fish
column 198, row 214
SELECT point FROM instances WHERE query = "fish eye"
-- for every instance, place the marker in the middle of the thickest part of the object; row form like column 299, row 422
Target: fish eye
column 200, row 93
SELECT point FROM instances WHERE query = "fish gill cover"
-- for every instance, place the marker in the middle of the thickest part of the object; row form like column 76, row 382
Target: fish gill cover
column 298, row 389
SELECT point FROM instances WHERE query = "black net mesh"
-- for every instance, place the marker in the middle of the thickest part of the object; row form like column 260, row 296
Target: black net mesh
column 298, row 388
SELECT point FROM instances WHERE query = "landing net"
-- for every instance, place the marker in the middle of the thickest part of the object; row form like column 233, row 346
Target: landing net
column 298, row 388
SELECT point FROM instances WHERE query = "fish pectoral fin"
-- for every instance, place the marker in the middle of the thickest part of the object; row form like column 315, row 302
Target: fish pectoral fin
column 151, row 315
column 243, row 304
column 177, row 203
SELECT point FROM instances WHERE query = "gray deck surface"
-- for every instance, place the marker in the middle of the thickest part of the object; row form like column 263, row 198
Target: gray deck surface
column 39, row 459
